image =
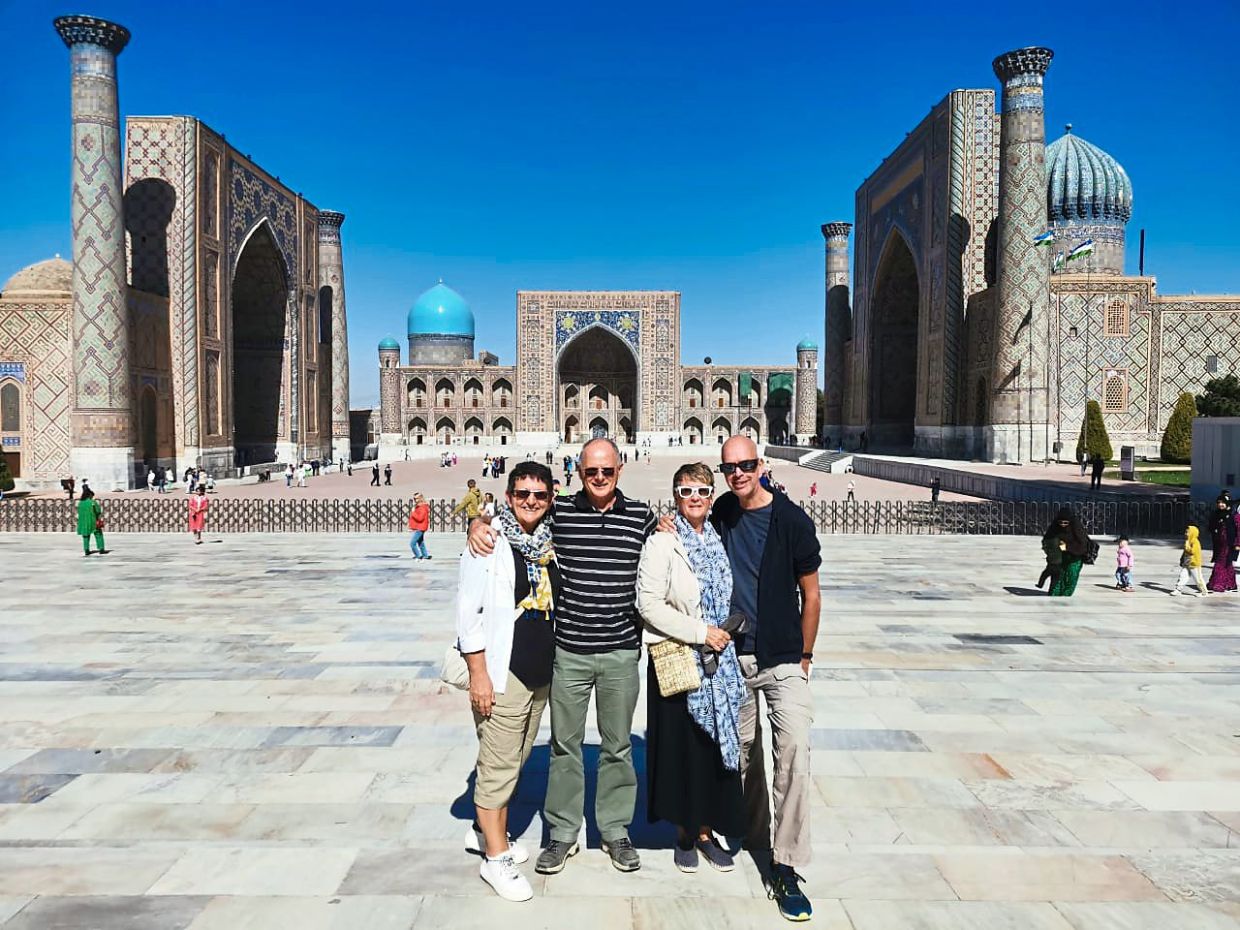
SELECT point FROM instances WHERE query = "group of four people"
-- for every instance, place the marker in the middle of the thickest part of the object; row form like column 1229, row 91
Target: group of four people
column 557, row 596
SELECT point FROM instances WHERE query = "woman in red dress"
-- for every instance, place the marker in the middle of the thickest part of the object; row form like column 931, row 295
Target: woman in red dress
column 198, row 506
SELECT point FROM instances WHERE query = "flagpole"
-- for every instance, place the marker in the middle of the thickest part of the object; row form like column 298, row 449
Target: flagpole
column 1029, row 381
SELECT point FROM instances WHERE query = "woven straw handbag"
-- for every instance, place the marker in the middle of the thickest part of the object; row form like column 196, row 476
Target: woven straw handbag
column 674, row 667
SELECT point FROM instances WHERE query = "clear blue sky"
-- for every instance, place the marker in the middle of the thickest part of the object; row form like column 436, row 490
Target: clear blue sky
column 689, row 146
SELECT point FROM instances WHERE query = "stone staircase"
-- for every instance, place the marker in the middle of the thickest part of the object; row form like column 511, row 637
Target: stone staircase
column 827, row 461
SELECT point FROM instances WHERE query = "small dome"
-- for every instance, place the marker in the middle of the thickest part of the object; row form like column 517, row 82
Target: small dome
column 1084, row 183
column 389, row 343
column 441, row 311
column 53, row 276
column 807, row 344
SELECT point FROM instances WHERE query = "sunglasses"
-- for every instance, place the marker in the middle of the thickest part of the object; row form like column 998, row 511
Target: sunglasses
column 522, row 494
column 747, row 466
column 596, row 472
column 687, row 491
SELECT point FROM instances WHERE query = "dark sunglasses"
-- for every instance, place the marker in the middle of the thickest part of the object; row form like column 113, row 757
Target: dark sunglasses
column 749, row 465
column 687, row 491
column 595, row 472
column 525, row 493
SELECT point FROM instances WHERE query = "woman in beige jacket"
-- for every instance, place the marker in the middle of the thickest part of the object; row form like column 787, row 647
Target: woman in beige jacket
column 684, row 592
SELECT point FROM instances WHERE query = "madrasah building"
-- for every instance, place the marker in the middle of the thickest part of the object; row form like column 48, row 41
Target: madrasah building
column 589, row 363
column 963, row 331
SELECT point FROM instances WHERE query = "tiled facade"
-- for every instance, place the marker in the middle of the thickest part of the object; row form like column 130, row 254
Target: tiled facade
column 958, row 326
column 589, row 363
column 165, row 370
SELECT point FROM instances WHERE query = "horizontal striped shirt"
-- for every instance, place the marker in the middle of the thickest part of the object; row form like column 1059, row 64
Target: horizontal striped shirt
column 598, row 552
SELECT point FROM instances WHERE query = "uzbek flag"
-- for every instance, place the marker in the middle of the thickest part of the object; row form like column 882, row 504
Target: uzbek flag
column 1085, row 248
column 1046, row 238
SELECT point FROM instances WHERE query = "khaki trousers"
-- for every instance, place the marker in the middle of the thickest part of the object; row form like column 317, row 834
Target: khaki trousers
column 505, row 740
column 790, row 714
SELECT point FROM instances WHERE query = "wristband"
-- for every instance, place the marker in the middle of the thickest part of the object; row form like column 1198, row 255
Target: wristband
column 807, row 656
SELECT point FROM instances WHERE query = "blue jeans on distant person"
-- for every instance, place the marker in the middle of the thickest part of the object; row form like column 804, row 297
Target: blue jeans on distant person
column 1123, row 577
column 417, row 542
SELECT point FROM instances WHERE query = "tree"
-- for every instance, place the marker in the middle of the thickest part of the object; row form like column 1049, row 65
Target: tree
column 1221, row 399
column 820, row 414
column 1093, row 439
column 1177, row 441
column 6, row 478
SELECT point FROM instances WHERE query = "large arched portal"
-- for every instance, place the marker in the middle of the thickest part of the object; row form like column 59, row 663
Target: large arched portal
column 893, row 348
column 259, row 327
column 601, row 367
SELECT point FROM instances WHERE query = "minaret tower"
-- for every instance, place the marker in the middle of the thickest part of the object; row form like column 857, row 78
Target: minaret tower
column 806, row 426
column 838, row 328
column 389, row 392
column 331, row 275
column 100, row 423
column 1019, row 405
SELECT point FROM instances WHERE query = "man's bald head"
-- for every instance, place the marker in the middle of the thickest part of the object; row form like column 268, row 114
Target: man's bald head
column 737, row 449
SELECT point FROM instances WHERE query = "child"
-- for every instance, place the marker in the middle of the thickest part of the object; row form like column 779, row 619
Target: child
column 1053, row 547
column 1190, row 562
column 1123, row 565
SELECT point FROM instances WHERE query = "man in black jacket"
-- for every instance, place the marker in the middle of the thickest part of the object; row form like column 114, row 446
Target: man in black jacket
column 774, row 552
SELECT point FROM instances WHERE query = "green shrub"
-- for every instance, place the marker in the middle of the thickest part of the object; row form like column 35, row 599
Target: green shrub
column 1177, row 441
column 1093, row 439
column 6, row 478
column 1221, row 399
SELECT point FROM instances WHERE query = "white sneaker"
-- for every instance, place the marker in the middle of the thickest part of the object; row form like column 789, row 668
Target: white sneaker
column 475, row 842
column 502, row 875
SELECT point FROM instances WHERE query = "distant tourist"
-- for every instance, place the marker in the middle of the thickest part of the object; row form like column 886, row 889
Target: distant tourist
column 419, row 523
column 1067, row 527
column 198, row 506
column 471, row 502
column 488, row 506
column 374, row 475
column 150, row 480
column 1082, row 459
column 1096, row 465
column 1190, row 564
column 288, row 475
column 509, row 653
column 1052, row 548
column 1123, row 565
column 1224, row 528
column 813, row 490
column 684, row 594
column 387, row 474
column 90, row 521
column 852, row 496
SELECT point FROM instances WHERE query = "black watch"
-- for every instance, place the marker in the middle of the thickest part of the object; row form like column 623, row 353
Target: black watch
column 807, row 655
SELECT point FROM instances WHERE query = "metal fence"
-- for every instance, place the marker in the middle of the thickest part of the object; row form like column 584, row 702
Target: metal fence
column 1136, row 517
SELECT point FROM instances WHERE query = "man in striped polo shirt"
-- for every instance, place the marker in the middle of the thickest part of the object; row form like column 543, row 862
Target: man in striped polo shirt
column 598, row 535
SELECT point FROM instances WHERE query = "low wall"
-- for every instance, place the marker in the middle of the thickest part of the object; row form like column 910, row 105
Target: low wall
column 1137, row 517
column 990, row 487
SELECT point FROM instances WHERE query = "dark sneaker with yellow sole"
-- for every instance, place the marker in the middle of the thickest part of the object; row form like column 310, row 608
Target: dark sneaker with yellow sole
column 784, row 889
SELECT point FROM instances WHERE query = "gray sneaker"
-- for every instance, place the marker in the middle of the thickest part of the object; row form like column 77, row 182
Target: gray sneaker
column 686, row 859
column 716, row 855
column 623, row 856
column 552, row 859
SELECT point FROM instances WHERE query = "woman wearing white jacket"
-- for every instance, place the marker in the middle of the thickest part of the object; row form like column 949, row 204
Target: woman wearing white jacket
column 505, row 632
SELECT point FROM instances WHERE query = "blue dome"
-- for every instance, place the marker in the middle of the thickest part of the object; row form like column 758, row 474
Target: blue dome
column 441, row 311
column 806, row 344
column 389, row 343
column 1085, row 184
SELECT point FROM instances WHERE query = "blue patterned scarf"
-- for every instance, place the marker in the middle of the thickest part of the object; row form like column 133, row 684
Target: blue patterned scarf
column 716, row 705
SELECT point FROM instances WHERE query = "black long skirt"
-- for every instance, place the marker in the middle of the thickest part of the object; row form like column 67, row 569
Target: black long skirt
column 686, row 781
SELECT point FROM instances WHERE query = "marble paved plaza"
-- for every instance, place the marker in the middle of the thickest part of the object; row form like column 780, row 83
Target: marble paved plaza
column 249, row 735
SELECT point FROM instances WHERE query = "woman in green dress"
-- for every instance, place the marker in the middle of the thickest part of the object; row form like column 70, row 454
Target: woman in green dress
column 90, row 521
column 1068, row 528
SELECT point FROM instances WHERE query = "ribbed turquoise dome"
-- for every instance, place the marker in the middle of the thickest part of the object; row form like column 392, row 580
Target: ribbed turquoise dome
column 441, row 311
column 807, row 343
column 389, row 343
column 1084, row 183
